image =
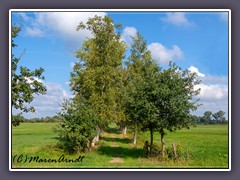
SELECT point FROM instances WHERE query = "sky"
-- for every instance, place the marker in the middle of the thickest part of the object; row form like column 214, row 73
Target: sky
column 197, row 41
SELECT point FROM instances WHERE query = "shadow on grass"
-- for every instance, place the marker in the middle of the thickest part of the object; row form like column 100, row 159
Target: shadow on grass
column 120, row 152
column 111, row 130
column 120, row 140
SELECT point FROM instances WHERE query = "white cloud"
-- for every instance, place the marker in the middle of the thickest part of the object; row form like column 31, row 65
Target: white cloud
column 48, row 104
column 223, row 16
column 163, row 55
column 128, row 33
column 195, row 70
column 177, row 18
column 212, row 87
column 31, row 79
column 212, row 91
column 61, row 24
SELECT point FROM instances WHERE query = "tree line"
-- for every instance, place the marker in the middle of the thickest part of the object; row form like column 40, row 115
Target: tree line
column 130, row 91
column 210, row 118
column 47, row 119
column 108, row 87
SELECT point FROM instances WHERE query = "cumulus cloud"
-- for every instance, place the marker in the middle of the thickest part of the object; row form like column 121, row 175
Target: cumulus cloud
column 128, row 33
column 195, row 70
column 178, row 19
column 213, row 97
column 31, row 79
column 212, row 87
column 212, row 91
column 162, row 54
column 49, row 103
column 61, row 24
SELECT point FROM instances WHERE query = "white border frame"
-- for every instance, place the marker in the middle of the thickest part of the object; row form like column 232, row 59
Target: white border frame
column 122, row 10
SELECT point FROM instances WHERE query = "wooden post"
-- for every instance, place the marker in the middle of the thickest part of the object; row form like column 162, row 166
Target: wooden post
column 145, row 148
column 174, row 150
column 163, row 152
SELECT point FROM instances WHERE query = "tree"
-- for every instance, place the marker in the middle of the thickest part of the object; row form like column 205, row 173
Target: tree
column 96, row 80
column 219, row 116
column 137, row 64
column 207, row 117
column 25, row 84
column 98, row 74
column 175, row 99
column 78, row 126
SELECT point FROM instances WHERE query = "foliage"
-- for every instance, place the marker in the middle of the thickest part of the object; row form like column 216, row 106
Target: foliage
column 158, row 99
column 25, row 83
column 78, row 126
column 140, row 79
column 46, row 119
column 96, row 81
column 210, row 118
column 98, row 74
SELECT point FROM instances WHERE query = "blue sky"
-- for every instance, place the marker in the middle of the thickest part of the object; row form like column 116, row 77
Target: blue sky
column 197, row 41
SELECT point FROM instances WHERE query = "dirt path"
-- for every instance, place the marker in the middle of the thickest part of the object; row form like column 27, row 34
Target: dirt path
column 113, row 139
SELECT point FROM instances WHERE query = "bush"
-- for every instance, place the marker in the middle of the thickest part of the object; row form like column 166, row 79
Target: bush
column 78, row 127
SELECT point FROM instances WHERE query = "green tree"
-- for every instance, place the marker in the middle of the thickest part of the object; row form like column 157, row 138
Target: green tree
column 98, row 74
column 25, row 83
column 138, row 63
column 78, row 126
column 97, row 82
column 207, row 117
column 219, row 116
column 176, row 99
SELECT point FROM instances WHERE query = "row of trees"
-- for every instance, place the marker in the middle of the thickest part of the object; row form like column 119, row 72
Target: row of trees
column 46, row 119
column 210, row 118
column 132, row 92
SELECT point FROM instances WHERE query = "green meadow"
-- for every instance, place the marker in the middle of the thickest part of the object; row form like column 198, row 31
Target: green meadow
column 203, row 146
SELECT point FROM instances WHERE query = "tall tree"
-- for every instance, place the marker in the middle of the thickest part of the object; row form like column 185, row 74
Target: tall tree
column 25, row 83
column 98, row 74
column 207, row 117
column 136, row 69
column 219, row 116
column 176, row 99
column 97, row 78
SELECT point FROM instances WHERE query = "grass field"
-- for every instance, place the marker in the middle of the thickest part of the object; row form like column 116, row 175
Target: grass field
column 205, row 146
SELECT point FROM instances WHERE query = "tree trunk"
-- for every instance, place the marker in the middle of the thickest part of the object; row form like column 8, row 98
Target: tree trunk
column 125, row 130
column 162, row 142
column 93, row 141
column 151, row 142
column 135, row 135
column 89, row 146
column 174, row 150
column 98, row 134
